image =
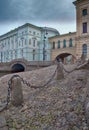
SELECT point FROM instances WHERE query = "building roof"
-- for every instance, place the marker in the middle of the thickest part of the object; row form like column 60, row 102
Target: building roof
column 59, row 36
column 16, row 29
column 78, row 1
column 30, row 25
column 51, row 29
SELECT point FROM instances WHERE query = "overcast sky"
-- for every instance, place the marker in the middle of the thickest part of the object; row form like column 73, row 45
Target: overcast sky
column 59, row 14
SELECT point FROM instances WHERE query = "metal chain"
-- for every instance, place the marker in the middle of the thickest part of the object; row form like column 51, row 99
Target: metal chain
column 76, row 68
column 24, row 82
column 67, row 70
column 9, row 92
column 35, row 87
column 29, row 85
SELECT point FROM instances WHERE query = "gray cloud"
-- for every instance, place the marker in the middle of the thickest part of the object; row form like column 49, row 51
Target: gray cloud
column 37, row 10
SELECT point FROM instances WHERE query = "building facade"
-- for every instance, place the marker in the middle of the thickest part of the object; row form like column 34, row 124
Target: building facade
column 63, row 46
column 74, row 44
column 27, row 41
column 82, row 22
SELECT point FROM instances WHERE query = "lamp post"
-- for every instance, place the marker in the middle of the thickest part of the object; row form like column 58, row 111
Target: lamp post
column 1, row 50
column 1, row 56
column 44, row 43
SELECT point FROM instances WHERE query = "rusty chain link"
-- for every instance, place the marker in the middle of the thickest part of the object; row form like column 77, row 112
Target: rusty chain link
column 67, row 70
column 76, row 68
column 9, row 90
column 26, row 83
column 8, row 97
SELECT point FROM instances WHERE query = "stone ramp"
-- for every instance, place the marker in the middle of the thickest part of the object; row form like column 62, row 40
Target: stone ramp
column 60, row 106
column 84, row 65
column 3, row 125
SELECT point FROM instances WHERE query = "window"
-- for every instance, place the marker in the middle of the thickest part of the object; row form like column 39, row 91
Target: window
column 58, row 44
column 84, row 12
column 15, row 54
column 19, row 42
column 38, row 43
column 64, row 43
column 45, row 56
column 15, row 39
column 12, row 41
column 85, row 27
column 34, row 42
column 53, row 45
column 84, row 49
column 70, row 43
column 34, row 33
column 33, row 54
column 21, row 52
column 4, row 56
column 22, row 42
column 7, row 56
column 11, row 55
column 22, row 33
column 29, row 41
column 25, row 41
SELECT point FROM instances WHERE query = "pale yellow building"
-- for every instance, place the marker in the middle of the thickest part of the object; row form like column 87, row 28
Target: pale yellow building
column 75, row 44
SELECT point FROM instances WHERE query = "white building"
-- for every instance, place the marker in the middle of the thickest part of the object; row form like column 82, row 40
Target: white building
column 27, row 41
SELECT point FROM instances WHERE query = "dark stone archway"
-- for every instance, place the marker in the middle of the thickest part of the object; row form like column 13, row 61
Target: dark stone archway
column 62, row 57
column 17, row 68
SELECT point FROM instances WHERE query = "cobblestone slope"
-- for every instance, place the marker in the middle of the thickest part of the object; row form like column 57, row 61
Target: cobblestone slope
column 58, row 106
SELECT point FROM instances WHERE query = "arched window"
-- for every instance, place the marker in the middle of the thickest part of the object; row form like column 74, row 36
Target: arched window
column 58, row 44
column 84, row 26
column 34, row 42
column 64, row 43
column 53, row 45
column 70, row 43
column 84, row 12
column 84, row 49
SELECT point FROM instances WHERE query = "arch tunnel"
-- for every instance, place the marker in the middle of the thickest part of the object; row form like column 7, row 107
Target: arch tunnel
column 17, row 68
column 66, row 57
